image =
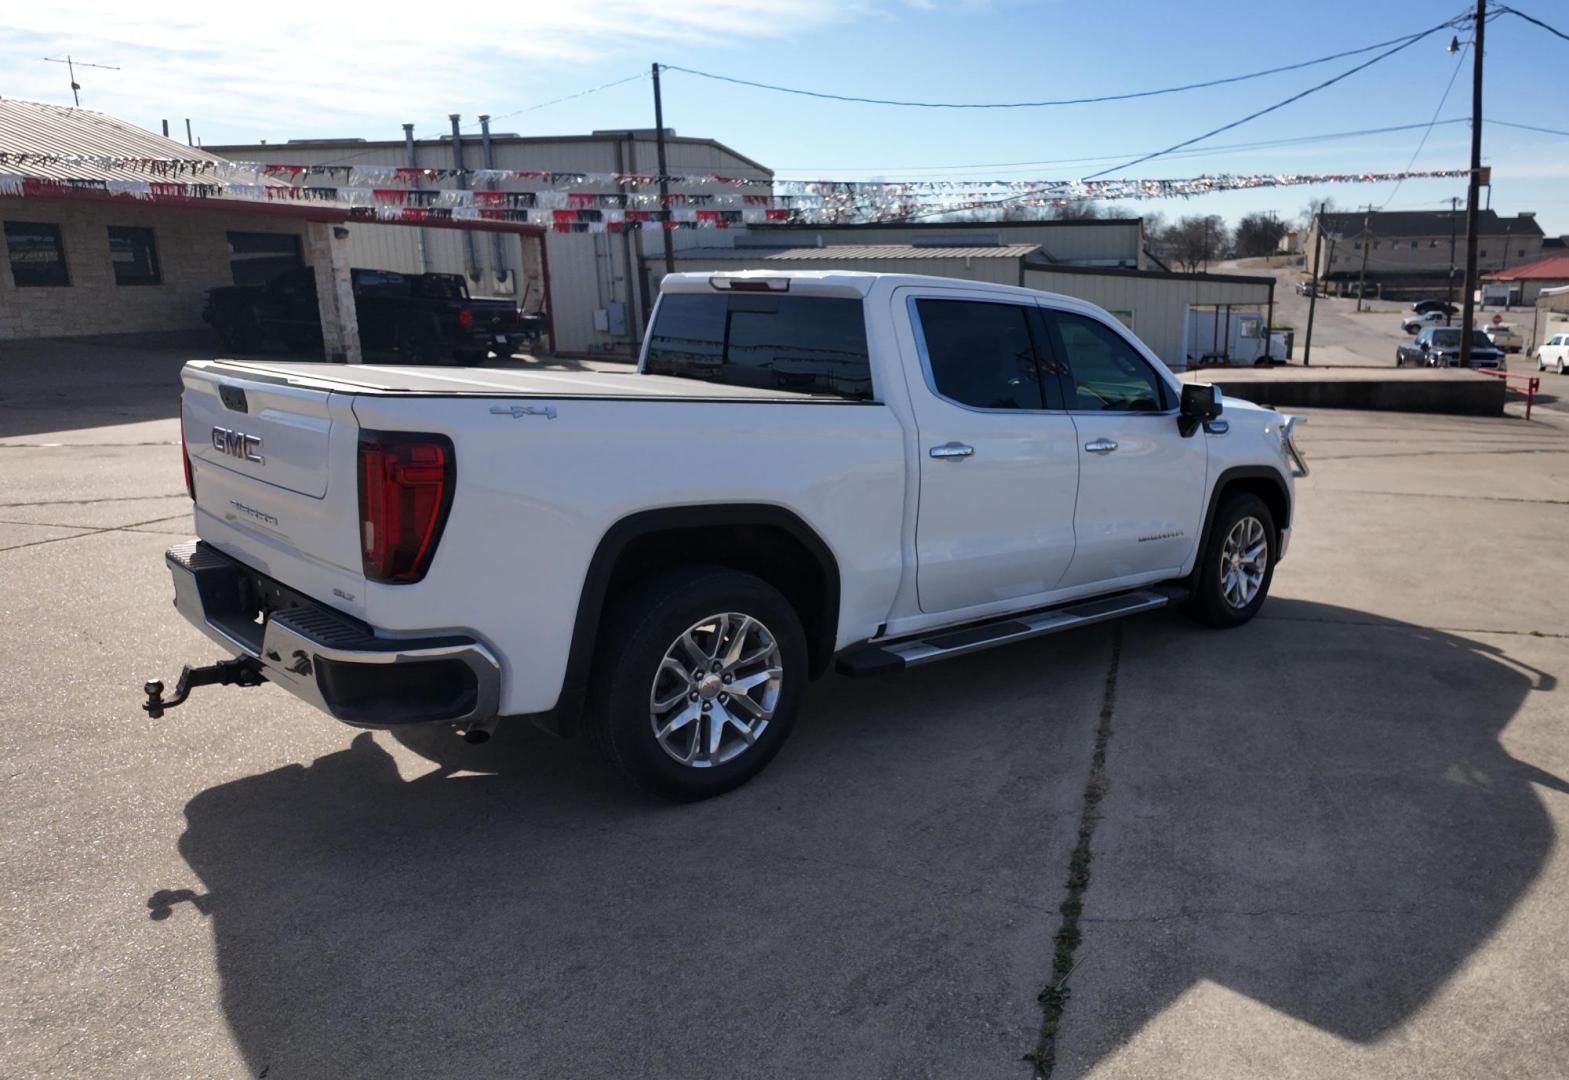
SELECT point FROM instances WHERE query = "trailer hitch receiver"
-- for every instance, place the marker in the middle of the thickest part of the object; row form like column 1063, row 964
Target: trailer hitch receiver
column 241, row 671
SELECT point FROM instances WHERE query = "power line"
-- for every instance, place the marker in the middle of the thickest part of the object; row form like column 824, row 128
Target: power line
column 569, row 97
column 1034, row 104
column 1525, row 127
column 1405, row 44
column 1199, row 151
column 1530, row 19
column 1460, row 62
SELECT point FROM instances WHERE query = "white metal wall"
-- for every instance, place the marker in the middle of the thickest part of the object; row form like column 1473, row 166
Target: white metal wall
column 1157, row 306
column 1117, row 243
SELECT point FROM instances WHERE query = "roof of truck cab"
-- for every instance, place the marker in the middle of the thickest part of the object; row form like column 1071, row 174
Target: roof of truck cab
column 860, row 281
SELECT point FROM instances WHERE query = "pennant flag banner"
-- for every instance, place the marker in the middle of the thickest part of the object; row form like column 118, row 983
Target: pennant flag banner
column 557, row 200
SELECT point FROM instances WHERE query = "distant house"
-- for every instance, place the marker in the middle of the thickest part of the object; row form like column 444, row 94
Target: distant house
column 1414, row 250
column 1527, row 280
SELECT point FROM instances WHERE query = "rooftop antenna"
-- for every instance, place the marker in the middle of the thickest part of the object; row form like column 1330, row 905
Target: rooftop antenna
column 71, row 66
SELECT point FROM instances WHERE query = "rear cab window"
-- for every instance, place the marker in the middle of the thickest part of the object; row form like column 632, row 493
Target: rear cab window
column 800, row 344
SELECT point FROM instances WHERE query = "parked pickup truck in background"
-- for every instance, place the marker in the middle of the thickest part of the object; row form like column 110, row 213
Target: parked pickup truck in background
column 1439, row 346
column 806, row 471
column 425, row 318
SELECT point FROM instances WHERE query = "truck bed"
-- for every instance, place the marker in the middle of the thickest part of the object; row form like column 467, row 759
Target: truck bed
column 490, row 382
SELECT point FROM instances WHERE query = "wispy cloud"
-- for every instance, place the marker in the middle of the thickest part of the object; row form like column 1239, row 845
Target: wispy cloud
column 246, row 71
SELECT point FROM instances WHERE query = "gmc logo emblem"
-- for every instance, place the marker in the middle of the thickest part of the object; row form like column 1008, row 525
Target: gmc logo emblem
column 237, row 444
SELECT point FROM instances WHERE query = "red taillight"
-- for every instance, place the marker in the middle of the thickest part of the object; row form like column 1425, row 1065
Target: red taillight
column 465, row 318
column 406, row 486
column 185, row 456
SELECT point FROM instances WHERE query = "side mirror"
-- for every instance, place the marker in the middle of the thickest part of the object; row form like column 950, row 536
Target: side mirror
column 1200, row 404
column 1423, row 345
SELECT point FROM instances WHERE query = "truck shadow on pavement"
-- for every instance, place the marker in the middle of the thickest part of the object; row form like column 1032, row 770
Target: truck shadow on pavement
column 881, row 902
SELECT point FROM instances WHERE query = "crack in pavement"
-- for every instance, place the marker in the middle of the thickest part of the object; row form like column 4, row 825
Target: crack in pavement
column 1222, row 913
column 1054, row 998
column 89, row 530
column 1442, row 495
column 93, row 502
column 1414, row 628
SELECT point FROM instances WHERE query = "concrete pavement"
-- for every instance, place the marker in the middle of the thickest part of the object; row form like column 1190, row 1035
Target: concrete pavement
column 1328, row 843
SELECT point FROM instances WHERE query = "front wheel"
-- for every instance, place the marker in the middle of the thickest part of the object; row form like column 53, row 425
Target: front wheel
column 1237, row 565
column 1560, row 365
column 697, row 681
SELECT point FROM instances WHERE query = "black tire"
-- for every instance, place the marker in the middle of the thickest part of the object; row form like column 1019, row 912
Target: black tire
column 418, row 340
column 640, row 629
column 1208, row 602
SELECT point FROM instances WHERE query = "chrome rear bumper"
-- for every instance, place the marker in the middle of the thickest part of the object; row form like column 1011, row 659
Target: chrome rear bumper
column 336, row 663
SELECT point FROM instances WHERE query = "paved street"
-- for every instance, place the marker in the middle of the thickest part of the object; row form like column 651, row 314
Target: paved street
column 1326, row 844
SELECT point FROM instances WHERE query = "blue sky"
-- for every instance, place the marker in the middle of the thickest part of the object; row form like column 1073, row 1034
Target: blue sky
column 245, row 72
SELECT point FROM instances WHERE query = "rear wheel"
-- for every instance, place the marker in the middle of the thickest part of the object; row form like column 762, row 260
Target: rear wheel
column 697, row 681
column 418, row 340
column 1237, row 565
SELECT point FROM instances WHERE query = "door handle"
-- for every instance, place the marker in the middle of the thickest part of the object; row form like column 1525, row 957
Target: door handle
column 952, row 450
column 1101, row 446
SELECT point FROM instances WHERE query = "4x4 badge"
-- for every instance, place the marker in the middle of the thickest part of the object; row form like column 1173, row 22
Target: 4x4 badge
column 515, row 411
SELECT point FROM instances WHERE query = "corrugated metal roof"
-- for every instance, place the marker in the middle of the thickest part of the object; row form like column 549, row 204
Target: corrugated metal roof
column 1548, row 269
column 852, row 252
column 37, row 128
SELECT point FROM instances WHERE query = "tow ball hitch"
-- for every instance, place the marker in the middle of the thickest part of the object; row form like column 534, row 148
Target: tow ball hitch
column 241, row 671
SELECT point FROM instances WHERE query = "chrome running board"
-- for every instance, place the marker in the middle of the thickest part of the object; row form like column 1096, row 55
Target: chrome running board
column 945, row 644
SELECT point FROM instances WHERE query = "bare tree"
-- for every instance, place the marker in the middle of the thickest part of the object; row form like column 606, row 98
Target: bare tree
column 1196, row 240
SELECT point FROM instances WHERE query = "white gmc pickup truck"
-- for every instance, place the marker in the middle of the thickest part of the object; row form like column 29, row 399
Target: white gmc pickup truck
column 806, row 470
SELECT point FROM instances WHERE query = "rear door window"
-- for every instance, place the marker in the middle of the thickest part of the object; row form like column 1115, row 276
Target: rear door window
column 803, row 344
column 982, row 354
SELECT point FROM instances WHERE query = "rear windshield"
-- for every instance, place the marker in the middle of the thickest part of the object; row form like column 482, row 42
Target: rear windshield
column 1450, row 339
column 806, row 344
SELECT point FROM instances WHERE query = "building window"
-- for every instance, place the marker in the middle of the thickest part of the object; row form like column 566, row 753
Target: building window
column 134, row 256
column 1357, row 245
column 257, row 258
column 1482, row 253
column 37, row 255
column 1413, row 245
column 1124, row 317
column 1520, row 254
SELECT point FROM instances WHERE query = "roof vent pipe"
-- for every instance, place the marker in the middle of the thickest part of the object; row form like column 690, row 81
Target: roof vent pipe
column 411, row 159
column 490, row 163
column 462, row 182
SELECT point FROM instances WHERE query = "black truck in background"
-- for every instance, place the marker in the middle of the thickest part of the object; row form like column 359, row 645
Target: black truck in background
column 424, row 318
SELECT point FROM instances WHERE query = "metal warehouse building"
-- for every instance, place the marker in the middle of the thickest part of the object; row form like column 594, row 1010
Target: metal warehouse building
column 598, row 297
column 1187, row 319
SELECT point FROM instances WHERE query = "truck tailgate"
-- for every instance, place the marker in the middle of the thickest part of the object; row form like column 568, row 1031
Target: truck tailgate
column 273, row 466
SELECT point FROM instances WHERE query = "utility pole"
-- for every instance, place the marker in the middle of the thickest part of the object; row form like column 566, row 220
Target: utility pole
column 664, row 173
column 1318, row 272
column 1367, row 243
column 1449, row 315
column 70, row 66
column 1473, row 190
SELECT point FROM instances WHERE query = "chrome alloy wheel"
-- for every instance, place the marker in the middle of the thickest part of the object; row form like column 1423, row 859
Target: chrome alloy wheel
column 1243, row 559
column 716, row 690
